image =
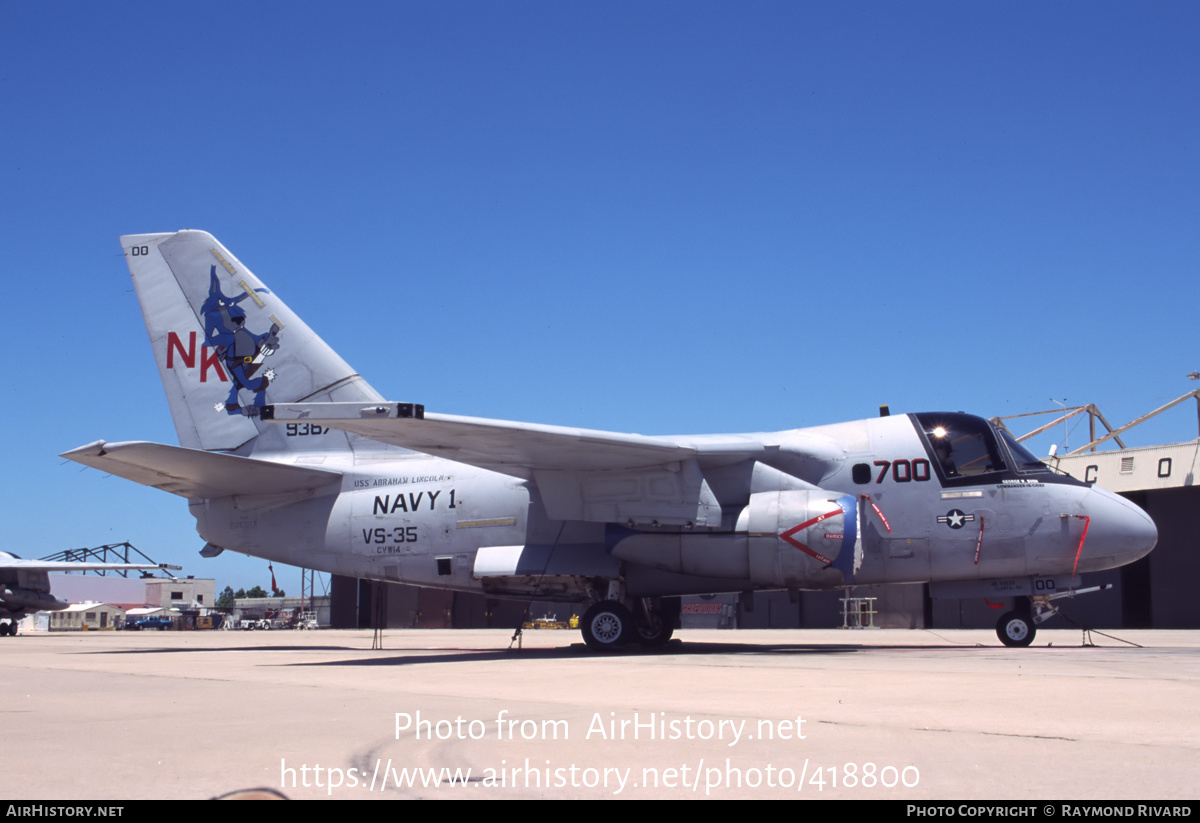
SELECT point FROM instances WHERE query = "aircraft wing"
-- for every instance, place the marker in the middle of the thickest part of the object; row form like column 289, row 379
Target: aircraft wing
column 77, row 566
column 581, row 474
column 512, row 448
column 25, row 584
column 198, row 474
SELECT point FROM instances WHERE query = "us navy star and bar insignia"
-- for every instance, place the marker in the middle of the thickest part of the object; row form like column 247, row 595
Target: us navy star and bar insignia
column 955, row 518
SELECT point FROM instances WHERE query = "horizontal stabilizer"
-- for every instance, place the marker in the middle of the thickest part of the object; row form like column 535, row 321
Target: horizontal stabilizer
column 198, row 474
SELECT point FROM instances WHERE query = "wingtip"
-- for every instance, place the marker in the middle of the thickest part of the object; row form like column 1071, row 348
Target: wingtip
column 95, row 449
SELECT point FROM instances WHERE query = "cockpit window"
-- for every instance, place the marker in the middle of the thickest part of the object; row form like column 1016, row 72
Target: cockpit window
column 1025, row 459
column 967, row 451
column 963, row 445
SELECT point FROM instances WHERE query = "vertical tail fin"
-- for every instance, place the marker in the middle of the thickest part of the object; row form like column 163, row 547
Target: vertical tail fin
column 226, row 345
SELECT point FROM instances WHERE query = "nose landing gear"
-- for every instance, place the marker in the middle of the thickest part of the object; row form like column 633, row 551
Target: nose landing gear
column 1018, row 627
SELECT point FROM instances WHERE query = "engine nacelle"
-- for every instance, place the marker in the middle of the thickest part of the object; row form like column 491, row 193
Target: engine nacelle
column 805, row 539
column 22, row 600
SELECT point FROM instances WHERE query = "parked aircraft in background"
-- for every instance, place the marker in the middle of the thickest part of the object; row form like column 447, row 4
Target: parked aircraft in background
column 25, row 585
column 288, row 454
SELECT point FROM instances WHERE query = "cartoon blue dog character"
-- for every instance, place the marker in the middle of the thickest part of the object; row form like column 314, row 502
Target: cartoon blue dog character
column 241, row 350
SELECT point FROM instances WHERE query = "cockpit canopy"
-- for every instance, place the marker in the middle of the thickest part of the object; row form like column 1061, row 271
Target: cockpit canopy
column 967, row 449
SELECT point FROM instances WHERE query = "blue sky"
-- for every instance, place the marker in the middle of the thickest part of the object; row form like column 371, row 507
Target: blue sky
column 659, row 217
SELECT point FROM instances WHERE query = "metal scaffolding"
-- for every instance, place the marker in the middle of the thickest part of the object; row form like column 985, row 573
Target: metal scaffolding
column 1094, row 414
column 111, row 553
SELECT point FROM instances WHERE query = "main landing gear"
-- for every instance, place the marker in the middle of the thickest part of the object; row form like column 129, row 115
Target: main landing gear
column 611, row 625
column 1018, row 627
column 8, row 628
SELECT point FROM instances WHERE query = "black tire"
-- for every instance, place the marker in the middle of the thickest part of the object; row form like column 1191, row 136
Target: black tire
column 656, row 632
column 1016, row 629
column 607, row 625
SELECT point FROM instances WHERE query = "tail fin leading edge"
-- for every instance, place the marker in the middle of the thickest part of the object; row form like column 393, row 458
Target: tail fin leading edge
column 226, row 345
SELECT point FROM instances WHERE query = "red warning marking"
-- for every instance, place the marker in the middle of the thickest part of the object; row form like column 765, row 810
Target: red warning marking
column 979, row 543
column 886, row 525
column 1087, row 521
column 787, row 535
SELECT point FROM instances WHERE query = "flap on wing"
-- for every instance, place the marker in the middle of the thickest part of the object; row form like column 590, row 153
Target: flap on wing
column 198, row 474
column 518, row 449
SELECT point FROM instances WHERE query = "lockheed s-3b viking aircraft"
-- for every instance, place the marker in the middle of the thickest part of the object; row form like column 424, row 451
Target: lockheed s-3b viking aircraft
column 287, row 454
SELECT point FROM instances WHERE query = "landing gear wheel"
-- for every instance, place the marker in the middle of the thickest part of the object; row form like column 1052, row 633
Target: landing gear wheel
column 655, row 632
column 1016, row 629
column 607, row 625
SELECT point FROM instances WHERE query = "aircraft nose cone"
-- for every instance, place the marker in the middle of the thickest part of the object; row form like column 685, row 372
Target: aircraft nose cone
column 1119, row 532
